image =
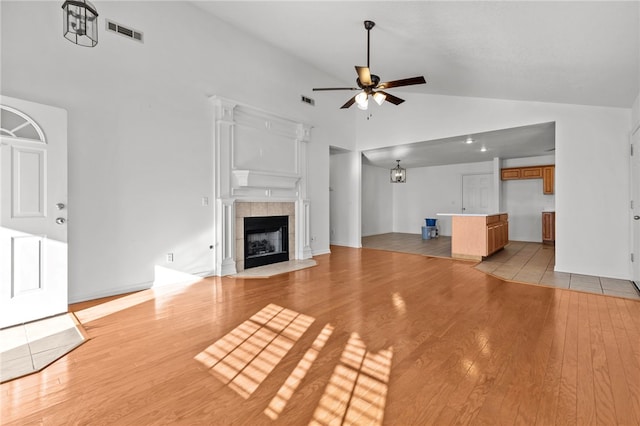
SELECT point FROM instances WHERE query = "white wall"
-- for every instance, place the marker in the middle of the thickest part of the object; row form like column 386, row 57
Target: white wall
column 140, row 130
column 432, row 190
column 592, row 176
column 377, row 201
column 635, row 112
column 524, row 200
column 344, row 193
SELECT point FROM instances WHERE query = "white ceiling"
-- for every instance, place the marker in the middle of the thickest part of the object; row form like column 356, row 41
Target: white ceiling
column 577, row 52
column 517, row 142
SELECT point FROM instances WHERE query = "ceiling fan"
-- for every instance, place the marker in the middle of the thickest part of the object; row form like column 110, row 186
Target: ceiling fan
column 369, row 84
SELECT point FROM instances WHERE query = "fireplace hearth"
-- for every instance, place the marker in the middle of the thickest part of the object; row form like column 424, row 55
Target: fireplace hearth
column 266, row 240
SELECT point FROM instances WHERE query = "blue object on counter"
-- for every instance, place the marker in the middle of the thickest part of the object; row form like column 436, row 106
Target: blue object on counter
column 431, row 222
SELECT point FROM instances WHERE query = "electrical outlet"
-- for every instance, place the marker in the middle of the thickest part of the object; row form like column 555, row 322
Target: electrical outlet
column 169, row 257
column 205, row 201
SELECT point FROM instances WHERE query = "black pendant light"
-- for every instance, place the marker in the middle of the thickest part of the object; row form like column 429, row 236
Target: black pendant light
column 398, row 174
column 80, row 22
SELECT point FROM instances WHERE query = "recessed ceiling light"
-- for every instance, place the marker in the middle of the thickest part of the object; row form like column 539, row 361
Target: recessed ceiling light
column 469, row 140
column 483, row 149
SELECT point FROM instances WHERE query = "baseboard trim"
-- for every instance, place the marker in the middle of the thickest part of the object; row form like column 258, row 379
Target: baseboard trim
column 343, row 244
column 321, row 252
column 109, row 293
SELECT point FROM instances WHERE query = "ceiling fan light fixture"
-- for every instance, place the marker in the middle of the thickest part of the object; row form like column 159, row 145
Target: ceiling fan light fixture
column 379, row 97
column 362, row 99
column 469, row 140
column 368, row 82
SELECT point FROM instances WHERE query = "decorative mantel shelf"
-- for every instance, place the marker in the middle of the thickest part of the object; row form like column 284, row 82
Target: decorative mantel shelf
column 260, row 157
column 259, row 179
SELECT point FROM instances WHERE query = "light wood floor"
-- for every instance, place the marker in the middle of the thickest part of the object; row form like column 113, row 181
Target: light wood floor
column 365, row 337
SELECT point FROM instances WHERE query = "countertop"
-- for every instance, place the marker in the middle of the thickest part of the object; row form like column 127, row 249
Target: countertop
column 470, row 214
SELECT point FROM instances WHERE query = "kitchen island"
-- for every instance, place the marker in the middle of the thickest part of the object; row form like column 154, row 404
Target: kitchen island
column 475, row 236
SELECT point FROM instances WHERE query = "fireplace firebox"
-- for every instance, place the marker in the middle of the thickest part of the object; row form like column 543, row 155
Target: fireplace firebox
column 266, row 240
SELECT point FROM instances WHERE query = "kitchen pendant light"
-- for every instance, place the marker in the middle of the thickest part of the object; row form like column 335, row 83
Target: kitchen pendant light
column 398, row 174
column 80, row 22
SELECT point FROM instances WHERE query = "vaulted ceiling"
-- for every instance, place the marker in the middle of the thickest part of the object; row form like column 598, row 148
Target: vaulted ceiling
column 576, row 52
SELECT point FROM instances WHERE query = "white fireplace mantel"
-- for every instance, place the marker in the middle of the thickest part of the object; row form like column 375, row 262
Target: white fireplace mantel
column 259, row 157
column 257, row 179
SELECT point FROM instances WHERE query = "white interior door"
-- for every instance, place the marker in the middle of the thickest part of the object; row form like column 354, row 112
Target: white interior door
column 635, row 196
column 477, row 193
column 33, row 229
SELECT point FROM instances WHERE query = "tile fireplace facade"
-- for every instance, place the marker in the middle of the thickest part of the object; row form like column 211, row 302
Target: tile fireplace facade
column 249, row 209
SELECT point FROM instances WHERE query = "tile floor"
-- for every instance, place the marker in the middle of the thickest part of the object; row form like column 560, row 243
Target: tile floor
column 267, row 271
column 30, row 347
column 409, row 243
column 526, row 262
column 533, row 263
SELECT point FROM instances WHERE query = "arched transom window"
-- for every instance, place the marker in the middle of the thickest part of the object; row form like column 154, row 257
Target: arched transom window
column 16, row 124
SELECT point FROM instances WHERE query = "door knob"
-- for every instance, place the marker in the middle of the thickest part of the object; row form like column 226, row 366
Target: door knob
column 636, row 217
column 60, row 220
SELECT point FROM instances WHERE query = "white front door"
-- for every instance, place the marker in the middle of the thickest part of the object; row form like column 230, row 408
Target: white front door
column 33, row 211
column 635, row 213
column 477, row 193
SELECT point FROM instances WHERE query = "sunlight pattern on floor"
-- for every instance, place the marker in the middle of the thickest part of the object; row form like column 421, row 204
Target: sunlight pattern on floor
column 279, row 401
column 357, row 391
column 244, row 357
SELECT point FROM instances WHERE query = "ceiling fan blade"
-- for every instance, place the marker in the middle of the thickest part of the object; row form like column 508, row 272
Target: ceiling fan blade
column 390, row 98
column 404, row 82
column 364, row 75
column 349, row 103
column 317, row 89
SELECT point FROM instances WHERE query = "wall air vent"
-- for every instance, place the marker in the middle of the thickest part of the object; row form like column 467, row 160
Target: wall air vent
column 127, row 32
column 306, row 100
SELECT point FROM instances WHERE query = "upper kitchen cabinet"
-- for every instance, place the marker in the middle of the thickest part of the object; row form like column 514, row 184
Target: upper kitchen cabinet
column 548, row 179
column 546, row 173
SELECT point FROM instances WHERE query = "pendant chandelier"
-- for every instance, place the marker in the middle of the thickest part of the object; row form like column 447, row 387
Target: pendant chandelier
column 398, row 174
column 80, row 22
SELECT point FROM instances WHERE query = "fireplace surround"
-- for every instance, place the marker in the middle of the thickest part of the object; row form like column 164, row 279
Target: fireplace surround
column 260, row 170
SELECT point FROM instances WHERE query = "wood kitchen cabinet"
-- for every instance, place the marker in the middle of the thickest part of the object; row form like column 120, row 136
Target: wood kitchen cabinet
column 531, row 173
column 548, row 179
column 534, row 172
column 478, row 236
column 510, row 174
column 548, row 227
column 546, row 173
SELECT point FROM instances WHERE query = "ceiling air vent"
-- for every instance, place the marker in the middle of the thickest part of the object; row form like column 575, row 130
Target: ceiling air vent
column 127, row 32
column 306, row 100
